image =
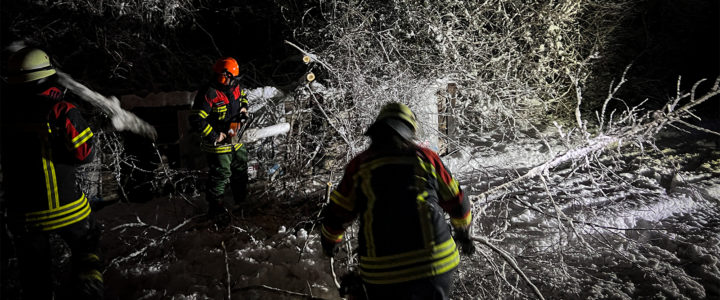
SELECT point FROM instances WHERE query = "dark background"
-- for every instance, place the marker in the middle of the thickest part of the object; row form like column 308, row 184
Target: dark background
column 135, row 53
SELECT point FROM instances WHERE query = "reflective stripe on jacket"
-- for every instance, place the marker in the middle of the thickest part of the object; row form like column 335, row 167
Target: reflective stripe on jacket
column 214, row 108
column 60, row 216
column 219, row 149
column 400, row 199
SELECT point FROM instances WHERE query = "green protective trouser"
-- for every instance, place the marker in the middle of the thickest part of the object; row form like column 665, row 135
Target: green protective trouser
column 227, row 167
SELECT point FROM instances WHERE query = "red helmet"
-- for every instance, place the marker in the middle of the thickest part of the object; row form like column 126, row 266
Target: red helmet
column 226, row 68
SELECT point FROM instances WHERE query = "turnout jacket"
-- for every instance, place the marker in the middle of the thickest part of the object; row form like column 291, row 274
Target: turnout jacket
column 44, row 139
column 214, row 108
column 400, row 198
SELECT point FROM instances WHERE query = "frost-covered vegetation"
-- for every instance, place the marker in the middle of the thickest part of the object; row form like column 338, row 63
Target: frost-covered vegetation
column 581, row 130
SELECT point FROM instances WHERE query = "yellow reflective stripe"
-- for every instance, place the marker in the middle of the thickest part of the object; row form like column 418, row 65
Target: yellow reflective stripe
column 425, row 221
column 342, row 201
column 454, row 187
column 368, row 216
column 48, row 126
column 437, row 251
column 366, row 185
column 78, row 216
column 93, row 274
column 424, row 257
column 207, row 130
column 55, row 212
column 84, row 136
column 461, row 222
column 61, row 217
column 431, row 269
column 446, row 190
column 330, row 236
column 92, row 257
column 221, row 149
column 50, row 179
column 427, row 166
column 243, row 93
column 201, row 113
column 219, row 109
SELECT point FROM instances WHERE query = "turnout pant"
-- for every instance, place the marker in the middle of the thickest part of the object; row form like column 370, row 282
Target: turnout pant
column 227, row 168
column 35, row 257
column 435, row 288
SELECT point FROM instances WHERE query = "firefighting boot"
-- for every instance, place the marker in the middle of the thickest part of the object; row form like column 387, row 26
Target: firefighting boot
column 89, row 282
column 90, row 285
column 218, row 214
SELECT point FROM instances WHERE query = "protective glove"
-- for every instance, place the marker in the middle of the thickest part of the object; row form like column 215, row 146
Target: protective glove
column 462, row 238
column 330, row 248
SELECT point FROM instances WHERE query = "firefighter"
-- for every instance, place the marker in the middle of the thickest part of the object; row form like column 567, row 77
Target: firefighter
column 44, row 139
column 218, row 110
column 399, row 190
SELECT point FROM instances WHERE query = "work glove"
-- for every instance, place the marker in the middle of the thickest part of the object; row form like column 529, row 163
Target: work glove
column 330, row 248
column 462, row 238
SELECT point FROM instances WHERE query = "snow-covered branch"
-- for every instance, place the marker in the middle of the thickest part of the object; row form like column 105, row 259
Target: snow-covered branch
column 121, row 119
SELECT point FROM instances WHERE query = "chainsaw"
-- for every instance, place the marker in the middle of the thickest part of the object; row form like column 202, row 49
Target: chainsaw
column 240, row 131
column 238, row 126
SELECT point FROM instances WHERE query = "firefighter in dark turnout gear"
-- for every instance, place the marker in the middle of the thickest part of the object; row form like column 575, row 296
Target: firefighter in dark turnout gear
column 218, row 110
column 44, row 139
column 399, row 191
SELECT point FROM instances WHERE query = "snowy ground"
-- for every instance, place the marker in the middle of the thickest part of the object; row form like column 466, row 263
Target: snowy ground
column 642, row 224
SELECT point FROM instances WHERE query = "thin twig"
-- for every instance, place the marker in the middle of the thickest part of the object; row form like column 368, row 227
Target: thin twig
column 277, row 290
column 332, row 271
column 227, row 272
column 313, row 56
column 317, row 218
column 512, row 263
column 332, row 124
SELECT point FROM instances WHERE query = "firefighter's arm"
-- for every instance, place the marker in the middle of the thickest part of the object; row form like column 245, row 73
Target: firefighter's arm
column 452, row 198
column 339, row 213
column 454, row 202
column 69, row 124
column 198, row 119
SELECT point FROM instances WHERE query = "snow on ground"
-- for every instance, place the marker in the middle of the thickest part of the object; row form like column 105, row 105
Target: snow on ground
column 190, row 262
column 644, row 225
column 647, row 226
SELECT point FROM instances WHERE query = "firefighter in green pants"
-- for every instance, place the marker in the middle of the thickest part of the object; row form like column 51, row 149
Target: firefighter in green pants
column 218, row 110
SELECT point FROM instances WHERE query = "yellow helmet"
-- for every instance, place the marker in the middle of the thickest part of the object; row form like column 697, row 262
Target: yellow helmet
column 397, row 116
column 29, row 64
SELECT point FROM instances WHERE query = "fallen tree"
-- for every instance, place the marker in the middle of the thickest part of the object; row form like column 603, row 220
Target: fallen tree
column 640, row 128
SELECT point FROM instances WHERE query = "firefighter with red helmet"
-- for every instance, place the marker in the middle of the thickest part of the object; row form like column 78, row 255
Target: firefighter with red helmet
column 399, row 190
column 44, row 139
column 217, row 109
